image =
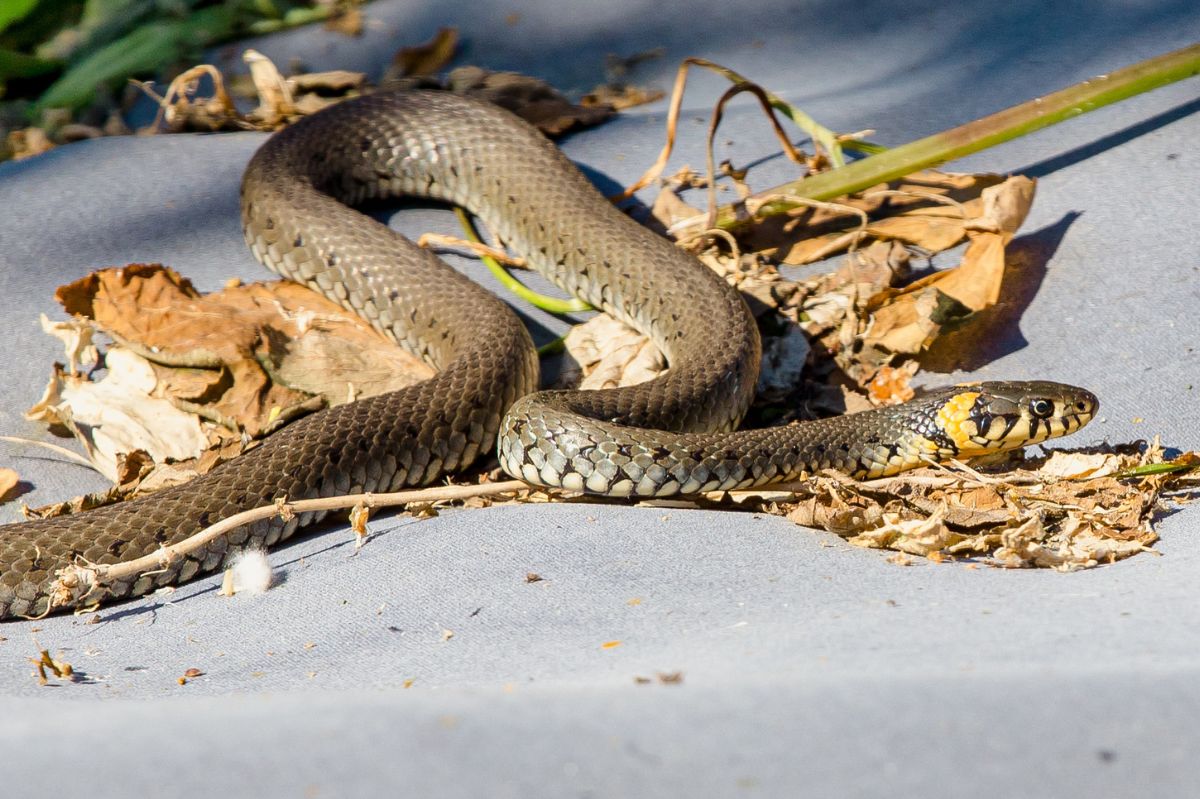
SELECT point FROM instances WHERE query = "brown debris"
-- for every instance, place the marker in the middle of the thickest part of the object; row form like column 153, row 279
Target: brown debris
column 45, row 666
column 346, row 19
column 428, row 58
column 532, row 99
column 28, row 142
column 606, row 353
column 193, row 378
column 8, row 483
column 1066, row 511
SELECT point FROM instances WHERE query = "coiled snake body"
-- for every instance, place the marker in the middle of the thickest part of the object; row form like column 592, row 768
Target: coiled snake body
column 667, row 436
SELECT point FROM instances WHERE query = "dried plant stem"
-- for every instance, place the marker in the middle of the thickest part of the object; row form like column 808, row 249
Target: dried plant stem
column 982, row 133
column 89, row 577
column 477, row 248
column 715, row 122
column 824, row 137
column 74, row 457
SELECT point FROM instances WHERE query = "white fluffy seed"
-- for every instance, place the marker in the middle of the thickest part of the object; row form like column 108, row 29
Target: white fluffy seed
column 251, row 572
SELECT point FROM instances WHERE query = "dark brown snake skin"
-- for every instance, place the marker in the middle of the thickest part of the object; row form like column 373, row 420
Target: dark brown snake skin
column 665, row 436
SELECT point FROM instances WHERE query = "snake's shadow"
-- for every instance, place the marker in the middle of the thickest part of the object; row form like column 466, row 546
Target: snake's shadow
column 995, row 332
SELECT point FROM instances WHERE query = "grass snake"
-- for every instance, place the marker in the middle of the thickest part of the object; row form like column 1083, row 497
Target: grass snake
column 674, row 434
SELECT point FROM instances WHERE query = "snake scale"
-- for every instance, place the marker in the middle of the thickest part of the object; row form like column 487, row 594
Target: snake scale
column 674, row 434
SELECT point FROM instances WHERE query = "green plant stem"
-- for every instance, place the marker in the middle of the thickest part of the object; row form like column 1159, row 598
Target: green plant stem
column 1157, row 468
column 548, row 304
column 980, row 134
column 553, row 347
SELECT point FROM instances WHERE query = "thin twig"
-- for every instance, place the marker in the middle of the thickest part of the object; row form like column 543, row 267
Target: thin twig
column 478, row 248
column 830, row 141
column 75, row 582
column 715, row 122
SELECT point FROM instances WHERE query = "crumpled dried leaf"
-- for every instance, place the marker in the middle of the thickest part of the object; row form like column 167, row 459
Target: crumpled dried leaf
column 1031, row 516
column 118, row 414
column 913, row 536
column 906, row 320
column 8, row 481
column 280, row 100
column 1076, row 465
column 27, row 142
column 928, row 209
column 275, row 100
column 620, row 96
column 249, row 333
column 331, row 82
column 215, row 382
column 534, row 100
column 76, row 336
column 826, row 508
column 606, row 353
column 1079, row 546
column 181, row 109
column 427, row 58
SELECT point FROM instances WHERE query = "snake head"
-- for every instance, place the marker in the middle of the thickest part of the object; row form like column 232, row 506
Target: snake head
column 981, row 418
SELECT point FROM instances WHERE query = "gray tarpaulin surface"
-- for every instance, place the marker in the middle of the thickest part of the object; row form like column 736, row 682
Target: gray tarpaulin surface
column 806, row 663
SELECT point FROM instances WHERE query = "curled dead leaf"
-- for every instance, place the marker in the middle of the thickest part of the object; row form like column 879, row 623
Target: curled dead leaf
column 606, row 353
column 8, row 482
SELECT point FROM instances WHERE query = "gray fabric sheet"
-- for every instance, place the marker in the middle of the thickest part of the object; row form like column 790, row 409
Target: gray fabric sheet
column 806, row 663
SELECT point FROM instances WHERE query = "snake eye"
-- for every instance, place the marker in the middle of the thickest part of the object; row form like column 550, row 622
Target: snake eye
column 1041, row 408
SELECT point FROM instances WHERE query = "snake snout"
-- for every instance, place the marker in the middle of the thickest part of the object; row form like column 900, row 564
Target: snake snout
column 1018, row 414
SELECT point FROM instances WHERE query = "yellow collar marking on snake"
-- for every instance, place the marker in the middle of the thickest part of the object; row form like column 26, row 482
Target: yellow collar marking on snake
column 955, row 420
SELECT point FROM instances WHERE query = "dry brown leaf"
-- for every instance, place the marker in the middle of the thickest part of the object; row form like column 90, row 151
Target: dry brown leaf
column 830, row 509
column 620, row 96
column 238, row 330
column 1076, row 465
column 76, row 336
column 927, row 209
column 8, row 481
column 335, row 81
column 930, row 232
column 906, row 321
column 606, row 353
column 275, row 100
column 1019, row 518
column 28, row 142
column 182, row 110
column 975, row 283
column 118, row 415
column 428, row 58
column 534, row 100
column 912, row 536
column 221, row 356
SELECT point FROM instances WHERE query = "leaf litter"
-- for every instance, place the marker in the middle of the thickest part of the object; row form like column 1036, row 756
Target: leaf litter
column 240, row 362
column 192, row 380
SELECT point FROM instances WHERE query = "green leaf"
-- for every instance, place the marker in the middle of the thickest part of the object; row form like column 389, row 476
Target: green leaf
column 20, row 65
column 143, row 51
column 14, row 11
